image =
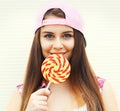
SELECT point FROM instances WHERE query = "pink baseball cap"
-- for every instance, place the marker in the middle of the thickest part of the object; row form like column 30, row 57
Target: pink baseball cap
column 72, row 17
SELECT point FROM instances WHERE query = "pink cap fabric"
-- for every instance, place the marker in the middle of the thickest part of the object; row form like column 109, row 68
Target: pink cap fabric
column 72, row 17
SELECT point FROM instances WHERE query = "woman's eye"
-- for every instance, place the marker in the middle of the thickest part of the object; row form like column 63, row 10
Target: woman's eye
column 67, row 35
column 48, row 36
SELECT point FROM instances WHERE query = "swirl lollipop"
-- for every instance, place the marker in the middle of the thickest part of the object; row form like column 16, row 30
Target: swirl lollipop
column 55, row 69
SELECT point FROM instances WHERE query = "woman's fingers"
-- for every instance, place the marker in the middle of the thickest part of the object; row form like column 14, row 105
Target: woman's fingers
column 38, row 100
column 43, row 91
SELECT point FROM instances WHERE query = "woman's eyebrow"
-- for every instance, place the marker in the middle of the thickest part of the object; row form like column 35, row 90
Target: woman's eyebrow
column 68, row 32
column 46, row 32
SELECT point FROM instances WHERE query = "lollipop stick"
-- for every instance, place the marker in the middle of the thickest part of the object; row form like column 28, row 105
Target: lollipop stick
column 48, row 85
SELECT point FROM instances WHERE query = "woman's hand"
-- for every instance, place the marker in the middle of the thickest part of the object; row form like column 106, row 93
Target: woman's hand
column 38, row 100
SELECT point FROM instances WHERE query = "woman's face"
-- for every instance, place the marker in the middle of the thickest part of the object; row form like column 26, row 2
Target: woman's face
column 57, row 39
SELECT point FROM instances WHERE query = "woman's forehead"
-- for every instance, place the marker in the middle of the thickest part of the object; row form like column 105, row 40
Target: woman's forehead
column 56, row 28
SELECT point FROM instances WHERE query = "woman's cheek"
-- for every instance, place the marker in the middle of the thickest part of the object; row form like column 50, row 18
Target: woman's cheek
column 46, row 47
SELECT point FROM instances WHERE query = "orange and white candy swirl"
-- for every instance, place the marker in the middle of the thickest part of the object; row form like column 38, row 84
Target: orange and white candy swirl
column 56, row 68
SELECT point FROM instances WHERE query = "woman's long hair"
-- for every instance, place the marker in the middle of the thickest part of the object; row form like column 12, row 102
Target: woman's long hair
column 82, row 78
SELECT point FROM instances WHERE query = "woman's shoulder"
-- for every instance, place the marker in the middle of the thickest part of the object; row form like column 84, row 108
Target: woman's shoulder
column 15, row 101
column 109, row 97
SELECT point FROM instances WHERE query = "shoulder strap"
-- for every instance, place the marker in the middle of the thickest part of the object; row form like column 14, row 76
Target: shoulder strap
column 20, row 88
column 101, row 83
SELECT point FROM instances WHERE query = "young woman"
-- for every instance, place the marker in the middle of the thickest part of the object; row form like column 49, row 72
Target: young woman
column 59, row 30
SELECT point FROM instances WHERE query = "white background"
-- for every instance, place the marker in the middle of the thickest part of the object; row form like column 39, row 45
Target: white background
column 102, row 32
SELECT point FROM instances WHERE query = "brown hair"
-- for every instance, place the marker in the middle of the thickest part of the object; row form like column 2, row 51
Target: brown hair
column 82, row 78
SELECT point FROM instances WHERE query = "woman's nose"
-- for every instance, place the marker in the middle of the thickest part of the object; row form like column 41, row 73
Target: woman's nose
column 58, row 44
